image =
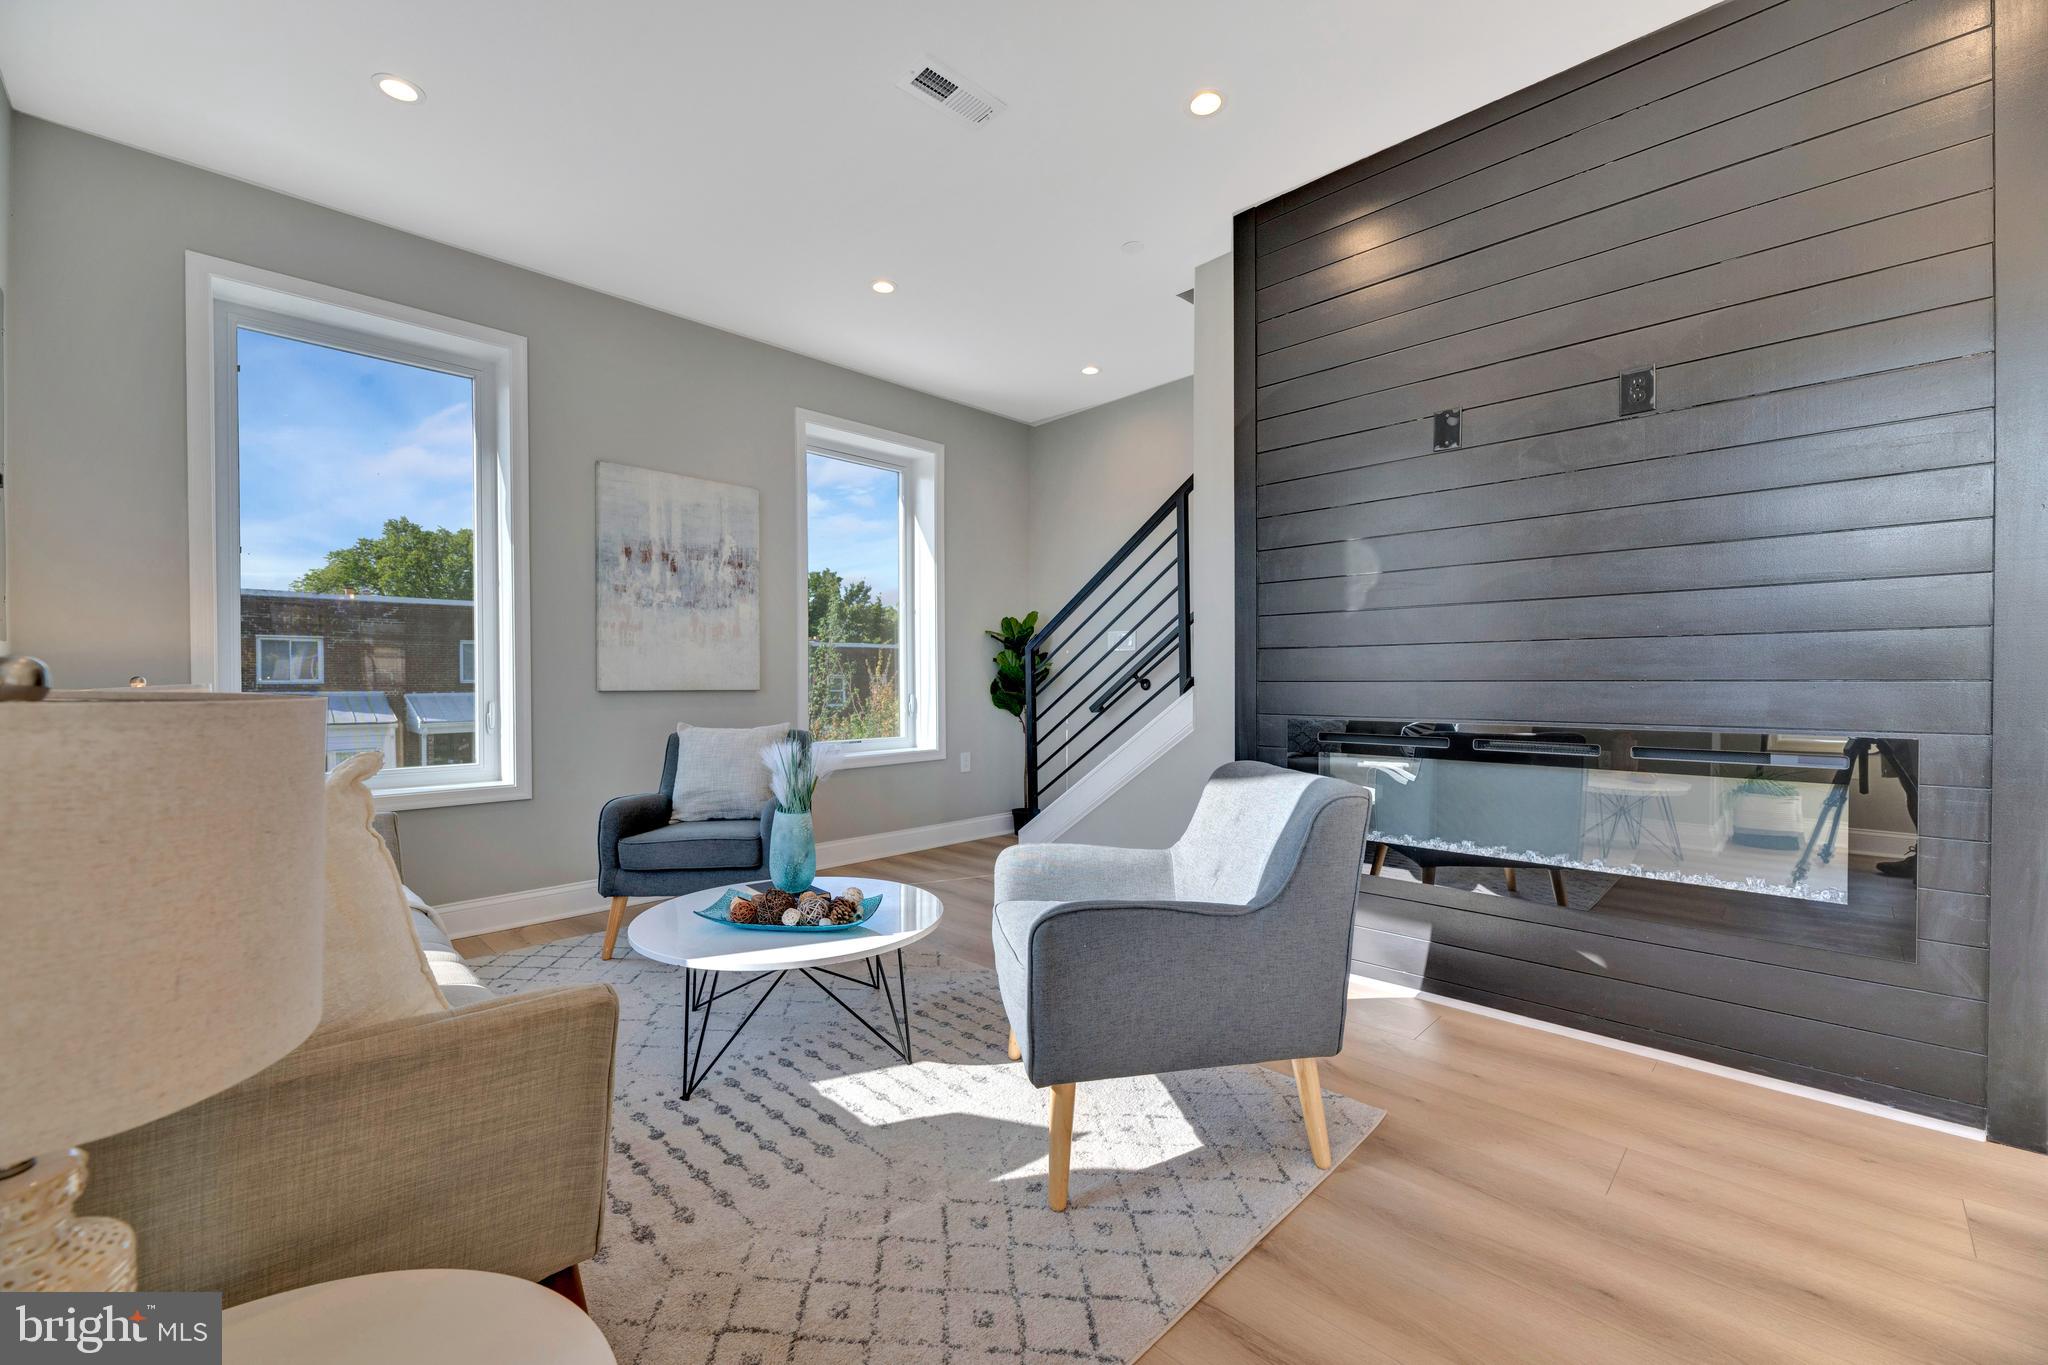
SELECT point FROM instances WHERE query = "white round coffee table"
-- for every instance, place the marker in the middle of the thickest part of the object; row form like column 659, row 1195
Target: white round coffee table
column 448, row 1316
column 708, row 951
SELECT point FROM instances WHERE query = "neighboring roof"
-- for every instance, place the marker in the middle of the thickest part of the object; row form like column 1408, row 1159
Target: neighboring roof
column 358, row 708
column 430, row 711
column 366, row 598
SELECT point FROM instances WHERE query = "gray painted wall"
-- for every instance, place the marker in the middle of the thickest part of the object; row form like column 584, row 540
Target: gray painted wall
column 97, row 432
column 1787, row 209
column 6, row 177
column 6, row 200
column 1125, row 439
column 1095, row 476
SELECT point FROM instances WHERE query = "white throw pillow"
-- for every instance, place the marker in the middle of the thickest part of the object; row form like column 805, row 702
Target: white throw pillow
column 374, row 969
column 719, row 773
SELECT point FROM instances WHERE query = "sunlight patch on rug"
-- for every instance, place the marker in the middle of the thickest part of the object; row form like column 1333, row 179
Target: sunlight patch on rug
column 897, row 1093
column 819, row 1201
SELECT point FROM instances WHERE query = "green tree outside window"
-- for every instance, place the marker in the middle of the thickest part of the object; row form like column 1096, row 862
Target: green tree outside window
column 407, row 560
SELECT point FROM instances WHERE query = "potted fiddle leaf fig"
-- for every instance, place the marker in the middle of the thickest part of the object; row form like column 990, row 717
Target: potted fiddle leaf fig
column 1006, row 688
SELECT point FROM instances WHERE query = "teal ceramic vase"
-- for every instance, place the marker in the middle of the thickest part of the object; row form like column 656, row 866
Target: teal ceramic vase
column 792, row 852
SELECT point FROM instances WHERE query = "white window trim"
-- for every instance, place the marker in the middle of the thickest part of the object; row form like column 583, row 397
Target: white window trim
column 923, row 464
column 497, row 361
column 319, row 660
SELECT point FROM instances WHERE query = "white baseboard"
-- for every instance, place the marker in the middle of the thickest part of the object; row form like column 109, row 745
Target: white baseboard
column 864, row 848
column 1108, row 777
column 517, row 909
column 1881, row 843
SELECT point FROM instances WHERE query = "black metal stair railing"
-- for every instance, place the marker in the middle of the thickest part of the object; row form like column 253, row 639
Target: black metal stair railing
column 1103, row 653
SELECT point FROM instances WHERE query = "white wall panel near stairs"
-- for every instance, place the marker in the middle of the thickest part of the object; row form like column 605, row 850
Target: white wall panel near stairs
column 1095, row 788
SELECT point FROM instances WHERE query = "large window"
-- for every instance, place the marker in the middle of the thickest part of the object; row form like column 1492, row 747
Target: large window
column 358, row 525
column 872, row 613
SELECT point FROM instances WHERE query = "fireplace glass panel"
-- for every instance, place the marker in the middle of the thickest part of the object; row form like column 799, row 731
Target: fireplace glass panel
column 1795, row 838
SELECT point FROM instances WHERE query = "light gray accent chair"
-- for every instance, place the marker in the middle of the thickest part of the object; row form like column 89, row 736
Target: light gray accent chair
column 1231, row 947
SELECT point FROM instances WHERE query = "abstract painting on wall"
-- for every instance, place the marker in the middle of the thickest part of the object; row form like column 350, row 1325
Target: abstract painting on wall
column 678, row 583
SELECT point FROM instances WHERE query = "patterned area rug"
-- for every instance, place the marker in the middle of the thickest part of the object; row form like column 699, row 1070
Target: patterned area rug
column 818, row 1201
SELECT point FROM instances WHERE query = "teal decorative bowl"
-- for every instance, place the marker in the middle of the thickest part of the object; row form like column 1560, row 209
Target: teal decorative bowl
column 715, row 912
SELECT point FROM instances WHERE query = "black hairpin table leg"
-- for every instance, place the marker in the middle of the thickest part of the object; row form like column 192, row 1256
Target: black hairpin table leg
column 701, row 991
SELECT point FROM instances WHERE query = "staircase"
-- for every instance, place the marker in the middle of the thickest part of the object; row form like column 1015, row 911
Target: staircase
column 1114, row 661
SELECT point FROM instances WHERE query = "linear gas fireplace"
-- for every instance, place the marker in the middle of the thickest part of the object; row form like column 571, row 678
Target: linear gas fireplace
column 1805, row 839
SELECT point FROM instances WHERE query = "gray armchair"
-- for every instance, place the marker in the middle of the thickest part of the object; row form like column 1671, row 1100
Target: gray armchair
column 1231, row 947
column 639, row 853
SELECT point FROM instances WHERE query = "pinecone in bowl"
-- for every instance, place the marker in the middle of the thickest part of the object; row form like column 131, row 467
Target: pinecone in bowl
column 844, row 911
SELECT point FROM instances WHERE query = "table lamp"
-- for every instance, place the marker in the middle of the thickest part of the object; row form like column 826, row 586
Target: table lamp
column 161, row 910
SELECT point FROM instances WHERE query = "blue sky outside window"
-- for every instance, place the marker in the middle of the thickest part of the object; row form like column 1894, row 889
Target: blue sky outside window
column 333, row 444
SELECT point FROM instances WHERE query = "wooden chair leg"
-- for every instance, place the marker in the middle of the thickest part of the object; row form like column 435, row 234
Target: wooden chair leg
column 611, row 927
column 1310, row 1084
column 1512, row 891
column 1059, row 1146
column 1557, row 887
column 569, row 1284
column 1429, row 876
column 1016, row 1053
column 1379, row 858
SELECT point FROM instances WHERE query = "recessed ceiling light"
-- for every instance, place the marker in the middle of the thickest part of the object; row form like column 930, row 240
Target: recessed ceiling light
column 398, row 88
column 1205, row 103
column 883, row 286
column 1091, row 369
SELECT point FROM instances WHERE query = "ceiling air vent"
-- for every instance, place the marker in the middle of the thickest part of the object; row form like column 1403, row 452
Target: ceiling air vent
column 934, row 82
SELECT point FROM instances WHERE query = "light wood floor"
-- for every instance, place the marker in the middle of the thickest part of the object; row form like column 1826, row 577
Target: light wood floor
column 1532, row 1197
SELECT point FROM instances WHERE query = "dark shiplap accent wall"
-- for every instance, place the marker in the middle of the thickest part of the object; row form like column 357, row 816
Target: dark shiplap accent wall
column 1787, row 207
column 2019, row 720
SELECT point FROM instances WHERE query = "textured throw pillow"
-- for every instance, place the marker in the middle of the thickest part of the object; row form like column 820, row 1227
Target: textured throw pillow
column 374, row 968
column 719, row 773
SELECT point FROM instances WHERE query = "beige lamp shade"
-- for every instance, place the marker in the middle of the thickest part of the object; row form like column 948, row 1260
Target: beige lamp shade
column 161, row 903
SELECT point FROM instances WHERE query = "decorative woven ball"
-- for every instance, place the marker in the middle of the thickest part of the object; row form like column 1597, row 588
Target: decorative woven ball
column 809, row 897
column 853, row 894
column 775, row 901
column 740, row 911
column 843, row 911
column 792, row 916
column 812, row 912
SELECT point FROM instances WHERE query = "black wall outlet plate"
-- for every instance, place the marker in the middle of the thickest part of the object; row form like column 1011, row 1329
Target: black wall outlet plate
column 1446, row 437
column 1638, row 392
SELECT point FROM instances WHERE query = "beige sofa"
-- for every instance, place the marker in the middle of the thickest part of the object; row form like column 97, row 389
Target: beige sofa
column 472, row 1138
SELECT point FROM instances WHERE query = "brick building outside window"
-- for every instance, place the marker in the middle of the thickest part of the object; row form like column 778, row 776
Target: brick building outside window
column 398, row 673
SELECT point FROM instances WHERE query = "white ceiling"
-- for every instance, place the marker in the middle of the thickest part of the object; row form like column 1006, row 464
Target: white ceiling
column 754, row 166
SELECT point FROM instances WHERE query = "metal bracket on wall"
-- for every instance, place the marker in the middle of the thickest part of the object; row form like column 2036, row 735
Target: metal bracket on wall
column 1447, row 436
